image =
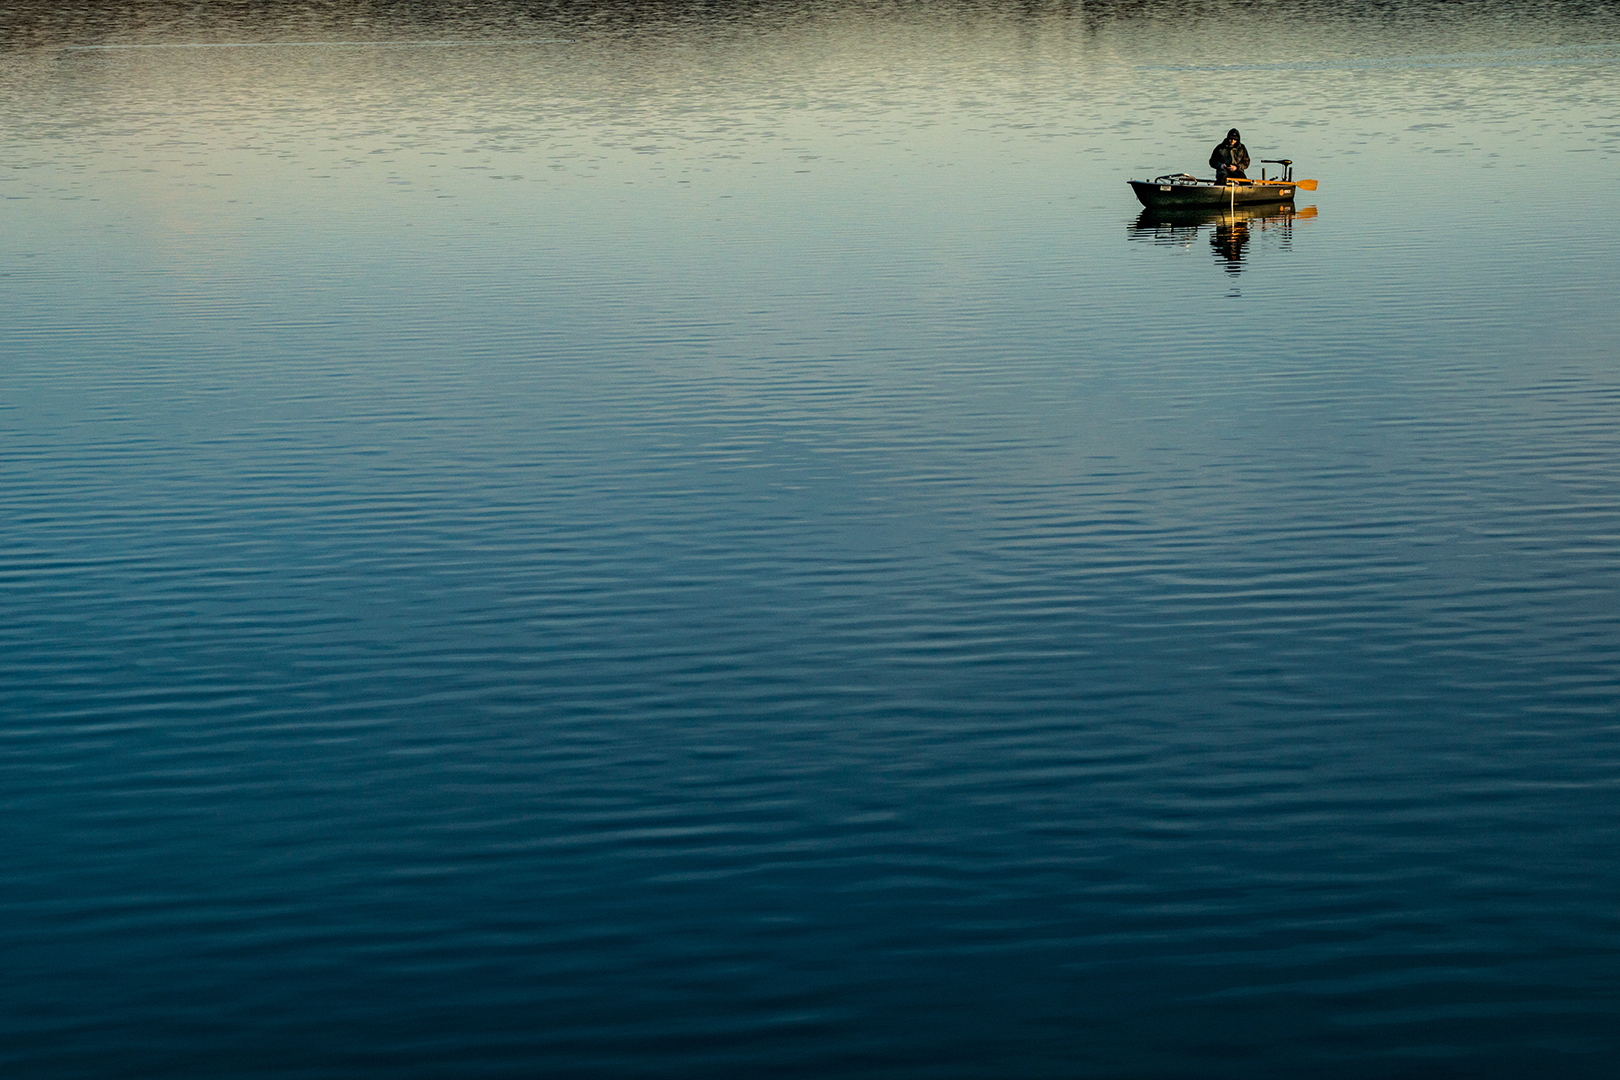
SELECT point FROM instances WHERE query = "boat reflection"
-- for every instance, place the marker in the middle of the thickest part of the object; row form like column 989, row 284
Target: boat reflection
column 1230, row 231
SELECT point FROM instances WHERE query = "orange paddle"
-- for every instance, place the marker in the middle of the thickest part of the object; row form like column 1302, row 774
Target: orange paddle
column 1307, row 185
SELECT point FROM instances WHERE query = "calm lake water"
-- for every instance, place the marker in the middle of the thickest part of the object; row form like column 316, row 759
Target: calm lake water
column 607, row 540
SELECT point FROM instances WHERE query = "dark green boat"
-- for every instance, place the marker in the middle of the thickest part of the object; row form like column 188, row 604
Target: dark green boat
column 1180, row 190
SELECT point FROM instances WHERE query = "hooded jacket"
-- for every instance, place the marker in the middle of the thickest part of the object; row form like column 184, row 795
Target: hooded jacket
column 1235, row 156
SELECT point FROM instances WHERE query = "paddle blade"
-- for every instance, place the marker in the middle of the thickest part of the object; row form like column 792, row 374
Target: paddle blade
column 1307, row 185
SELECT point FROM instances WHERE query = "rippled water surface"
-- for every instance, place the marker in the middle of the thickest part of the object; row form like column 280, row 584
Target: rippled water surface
column 678, row 540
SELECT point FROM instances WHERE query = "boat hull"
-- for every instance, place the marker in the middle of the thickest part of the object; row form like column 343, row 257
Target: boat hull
column 1161, row 194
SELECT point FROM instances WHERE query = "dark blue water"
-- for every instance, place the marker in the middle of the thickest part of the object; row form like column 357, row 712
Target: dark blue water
column 659, row 541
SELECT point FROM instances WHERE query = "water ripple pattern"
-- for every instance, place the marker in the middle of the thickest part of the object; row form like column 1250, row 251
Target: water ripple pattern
column 614, row 540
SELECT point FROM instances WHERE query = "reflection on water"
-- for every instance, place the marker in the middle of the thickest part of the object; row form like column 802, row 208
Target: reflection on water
column 672, row 539
column 1229, row 231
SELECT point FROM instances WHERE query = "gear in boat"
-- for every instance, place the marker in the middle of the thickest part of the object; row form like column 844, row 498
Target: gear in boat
column 1182, row 190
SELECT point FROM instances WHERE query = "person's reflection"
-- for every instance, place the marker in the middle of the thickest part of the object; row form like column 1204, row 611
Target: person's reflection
column 1228, row 240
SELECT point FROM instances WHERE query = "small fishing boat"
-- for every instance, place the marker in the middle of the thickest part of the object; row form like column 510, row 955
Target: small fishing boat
column 1182, row 190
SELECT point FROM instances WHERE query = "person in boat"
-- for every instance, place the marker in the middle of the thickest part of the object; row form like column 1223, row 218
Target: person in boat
column 1230, row 158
